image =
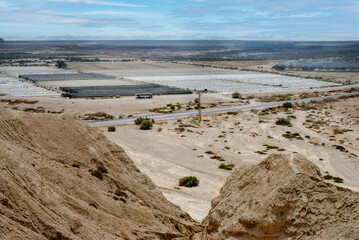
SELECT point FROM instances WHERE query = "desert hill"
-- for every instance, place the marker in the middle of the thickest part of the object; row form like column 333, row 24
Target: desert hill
column 59, row 179
column 282, row 197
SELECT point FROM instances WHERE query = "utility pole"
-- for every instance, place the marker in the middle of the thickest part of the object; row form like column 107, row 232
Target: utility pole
column 199, row 106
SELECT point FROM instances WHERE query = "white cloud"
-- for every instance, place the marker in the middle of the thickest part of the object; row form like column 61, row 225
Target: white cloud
column 6, row 6
column 42, row 17
column 124, row 13
column 100, row 3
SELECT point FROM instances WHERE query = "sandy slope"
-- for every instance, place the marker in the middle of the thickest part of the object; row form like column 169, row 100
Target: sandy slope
column 60, row 179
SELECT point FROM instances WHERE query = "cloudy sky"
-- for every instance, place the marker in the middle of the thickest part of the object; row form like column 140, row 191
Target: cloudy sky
column 185, row 19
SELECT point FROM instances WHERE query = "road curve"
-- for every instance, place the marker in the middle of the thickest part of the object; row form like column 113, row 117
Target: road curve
column 213, row 110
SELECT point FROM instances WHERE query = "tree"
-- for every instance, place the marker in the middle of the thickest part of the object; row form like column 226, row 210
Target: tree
column 61, row 64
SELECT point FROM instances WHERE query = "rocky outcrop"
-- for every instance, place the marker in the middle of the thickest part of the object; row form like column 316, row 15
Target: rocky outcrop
column 282, row 197
column 60, row 179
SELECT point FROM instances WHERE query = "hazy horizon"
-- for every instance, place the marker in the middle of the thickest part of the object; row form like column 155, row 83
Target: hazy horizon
column 180, row 40
column 308, row 20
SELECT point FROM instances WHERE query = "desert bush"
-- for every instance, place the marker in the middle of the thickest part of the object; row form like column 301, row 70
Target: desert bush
column 338, row 180
column 61, row 64
column 209, row 152
column 290, row 135
column 341, row 148
column 139, row 120
column 97, row 116
column 283, row 122
column 189, row 181
column 328, row 177
column 180, row 129
column 261, row 152
column 146, row 124
column 287, row 105
column 236, row 95
column 219, row 158
column 232, row 113
column 111, row 129
column 270, row 147
column 226, row 166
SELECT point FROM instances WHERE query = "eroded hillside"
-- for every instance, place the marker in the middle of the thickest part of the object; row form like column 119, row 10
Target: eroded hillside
column 283, row 196
column 59, row 179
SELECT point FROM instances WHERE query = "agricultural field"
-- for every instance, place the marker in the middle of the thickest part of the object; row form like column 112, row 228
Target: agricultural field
column 16, row 88
column 122, row 90
column 16, row 71
column 244, row 82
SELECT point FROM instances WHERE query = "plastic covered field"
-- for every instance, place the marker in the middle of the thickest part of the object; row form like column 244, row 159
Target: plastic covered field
column 65, row 77
column 122, row 90
column 245, row 82
column 17, row 88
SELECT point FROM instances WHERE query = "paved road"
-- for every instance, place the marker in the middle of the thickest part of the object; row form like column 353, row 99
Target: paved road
column 212, row 111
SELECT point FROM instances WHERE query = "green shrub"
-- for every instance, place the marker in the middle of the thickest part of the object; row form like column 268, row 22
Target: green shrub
column 180, row 129
column 290, row 135
column 146, row 124
column 111, row 129
column 283, row 122
column 139, row 120
column 261, row 152
column 219, row 158
column 232, row 113
column 338, row 180
column 189, row 181
column 61, row 64
column 226, row 166
column 328, row 177
column 270, row 147
column 287, row 105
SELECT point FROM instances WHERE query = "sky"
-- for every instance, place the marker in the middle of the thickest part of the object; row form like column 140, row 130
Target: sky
column 290, row 20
